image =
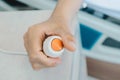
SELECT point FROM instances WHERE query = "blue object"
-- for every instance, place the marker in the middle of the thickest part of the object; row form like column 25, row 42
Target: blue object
column 89, row 36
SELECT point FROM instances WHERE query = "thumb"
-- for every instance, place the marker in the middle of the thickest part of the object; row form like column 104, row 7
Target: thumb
column 68, row 41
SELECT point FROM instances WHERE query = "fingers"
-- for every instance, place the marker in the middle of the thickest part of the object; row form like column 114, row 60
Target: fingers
column 33, row 43
column 39, row 60
column 35, row 39
column 37, row 66
column 68, row 40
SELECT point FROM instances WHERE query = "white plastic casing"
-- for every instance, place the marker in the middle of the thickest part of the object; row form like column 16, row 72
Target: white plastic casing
column 48, row 49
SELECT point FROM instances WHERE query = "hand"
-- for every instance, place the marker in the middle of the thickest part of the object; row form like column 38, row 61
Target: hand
column 36, row 34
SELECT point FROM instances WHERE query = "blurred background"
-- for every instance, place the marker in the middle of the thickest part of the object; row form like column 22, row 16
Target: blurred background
column 102, row 9
column 107, row 10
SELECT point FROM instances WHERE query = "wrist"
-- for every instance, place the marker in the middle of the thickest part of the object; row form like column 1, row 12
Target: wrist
column 60, row 18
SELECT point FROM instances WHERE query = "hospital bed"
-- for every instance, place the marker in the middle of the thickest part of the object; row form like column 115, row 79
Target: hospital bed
column 14, row 61
column 113, row 9
column 108, row 7
column 94, row 33
column 93, row 44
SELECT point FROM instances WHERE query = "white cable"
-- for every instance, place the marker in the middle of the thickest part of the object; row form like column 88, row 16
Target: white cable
column 12, row 52
column 94, row 55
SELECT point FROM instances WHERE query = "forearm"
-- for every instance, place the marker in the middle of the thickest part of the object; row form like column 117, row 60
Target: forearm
column 66, row 9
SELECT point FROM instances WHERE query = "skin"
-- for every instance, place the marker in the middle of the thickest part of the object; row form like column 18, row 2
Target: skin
column 57, row 24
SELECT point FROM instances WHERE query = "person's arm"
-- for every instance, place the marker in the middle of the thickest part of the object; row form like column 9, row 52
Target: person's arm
column 57, row 24
column 66, row 9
